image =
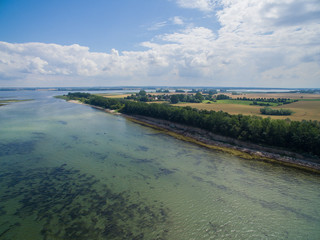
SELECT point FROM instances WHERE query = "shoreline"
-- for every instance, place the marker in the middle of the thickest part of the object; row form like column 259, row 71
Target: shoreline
column 212, row 141
column 195, row 136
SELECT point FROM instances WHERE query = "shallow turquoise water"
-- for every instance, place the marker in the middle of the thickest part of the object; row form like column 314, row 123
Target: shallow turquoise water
column 69, row 171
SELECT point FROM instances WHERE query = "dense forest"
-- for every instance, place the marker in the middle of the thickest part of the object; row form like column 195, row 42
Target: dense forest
column 298, row 136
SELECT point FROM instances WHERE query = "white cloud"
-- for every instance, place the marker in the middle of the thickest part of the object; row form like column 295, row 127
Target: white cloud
column 193, row 37
column 260, row 43
column 202, row 5
column 177, row 20
column 157, row 26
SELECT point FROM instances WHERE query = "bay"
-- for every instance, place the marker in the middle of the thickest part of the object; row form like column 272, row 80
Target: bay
column 69, row 171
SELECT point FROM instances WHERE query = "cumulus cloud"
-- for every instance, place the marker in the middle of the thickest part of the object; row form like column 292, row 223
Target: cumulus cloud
column 290, row 12
column 260, row 43
column 254, row 28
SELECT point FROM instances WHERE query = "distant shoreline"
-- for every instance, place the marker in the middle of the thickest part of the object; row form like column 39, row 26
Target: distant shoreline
column 212, row 141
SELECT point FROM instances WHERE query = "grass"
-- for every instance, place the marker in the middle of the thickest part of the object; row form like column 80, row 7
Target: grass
column 234, row 101
column 61, row 97
column 309, row 100
column 307, row 108
column 303, row 110
column 298, row 96
column 226, row 107
column 114, row 95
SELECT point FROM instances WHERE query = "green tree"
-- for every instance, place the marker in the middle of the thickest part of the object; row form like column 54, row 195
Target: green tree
column 142, row 93
column 174, row 99
column 199, row 97
column 211, row 92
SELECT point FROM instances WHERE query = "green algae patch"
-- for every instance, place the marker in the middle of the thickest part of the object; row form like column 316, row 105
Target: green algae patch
column 63, row 203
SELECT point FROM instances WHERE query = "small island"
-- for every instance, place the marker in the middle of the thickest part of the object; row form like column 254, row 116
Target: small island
column 8, row 101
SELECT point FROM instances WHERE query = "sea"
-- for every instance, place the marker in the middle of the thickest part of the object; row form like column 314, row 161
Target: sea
column 69, row 171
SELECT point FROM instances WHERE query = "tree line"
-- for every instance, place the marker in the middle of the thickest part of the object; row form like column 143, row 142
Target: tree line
column 279, row 112
column 270, row 100
column 300, row 136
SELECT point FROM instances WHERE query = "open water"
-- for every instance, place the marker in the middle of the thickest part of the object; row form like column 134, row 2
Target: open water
column 69, row 171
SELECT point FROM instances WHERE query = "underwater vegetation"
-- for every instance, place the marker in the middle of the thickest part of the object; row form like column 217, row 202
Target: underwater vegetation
column 21, row 147
column 16, row 147
column 68, row 204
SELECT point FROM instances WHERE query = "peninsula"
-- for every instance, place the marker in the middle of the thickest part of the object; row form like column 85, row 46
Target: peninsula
column 288, row 142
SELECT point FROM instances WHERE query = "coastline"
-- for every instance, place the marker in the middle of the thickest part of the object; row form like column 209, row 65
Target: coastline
column 232, row 146
column 96, row 107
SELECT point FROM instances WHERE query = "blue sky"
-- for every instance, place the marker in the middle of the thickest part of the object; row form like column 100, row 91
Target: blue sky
column 100, row 25
column 160, row 42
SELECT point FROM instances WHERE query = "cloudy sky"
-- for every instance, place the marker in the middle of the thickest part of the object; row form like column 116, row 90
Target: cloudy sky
column 232, row 43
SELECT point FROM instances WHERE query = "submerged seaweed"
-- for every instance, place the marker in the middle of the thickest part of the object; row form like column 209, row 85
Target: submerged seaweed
column 165, row 172
column 62, row 122
column 73, row 205
column 17, row 147
column 142, row 148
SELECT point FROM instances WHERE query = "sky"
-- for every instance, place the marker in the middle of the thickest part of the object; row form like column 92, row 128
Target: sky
column 229, row 43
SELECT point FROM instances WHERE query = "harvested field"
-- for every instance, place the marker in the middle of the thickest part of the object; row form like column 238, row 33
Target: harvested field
column 308, row 108
column 226, row 107
column 303, row 110
column 114, row 95
column 278, row 95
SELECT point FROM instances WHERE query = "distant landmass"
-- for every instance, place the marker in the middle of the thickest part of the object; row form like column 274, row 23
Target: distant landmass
column 173, row 88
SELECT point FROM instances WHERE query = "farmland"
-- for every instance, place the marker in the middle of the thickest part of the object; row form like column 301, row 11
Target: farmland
column 307, row 108
column 114, row 95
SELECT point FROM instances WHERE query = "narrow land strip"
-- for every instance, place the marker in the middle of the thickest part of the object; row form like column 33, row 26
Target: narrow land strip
column 232, row 146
